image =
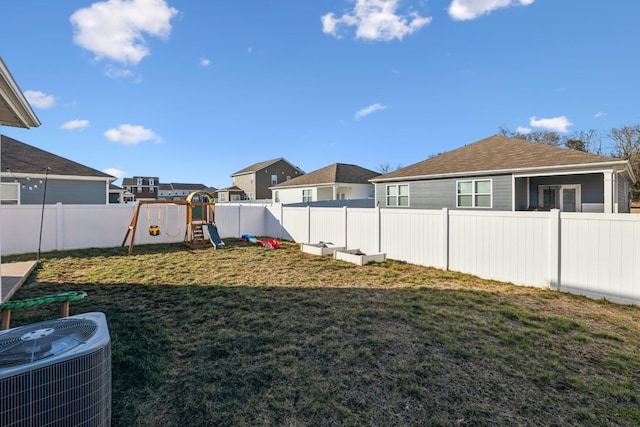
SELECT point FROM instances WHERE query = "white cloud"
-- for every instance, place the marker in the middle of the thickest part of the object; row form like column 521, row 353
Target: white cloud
column 558, row 124
column 368, row 110
column 115, row 172
column 131, row 135
column 75, row 124
column 523, row 130
column 205, row 62
column 39, row 99
column 118, row 73
column 465, row 10
column 115, row 29
column 600, row 114
column 375, row 20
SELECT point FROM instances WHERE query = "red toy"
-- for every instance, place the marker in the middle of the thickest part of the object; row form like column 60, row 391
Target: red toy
column 270, row 244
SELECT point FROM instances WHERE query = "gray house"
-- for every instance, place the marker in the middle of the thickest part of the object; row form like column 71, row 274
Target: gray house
column 506, row 174
column 256, row 179
column 25, row 170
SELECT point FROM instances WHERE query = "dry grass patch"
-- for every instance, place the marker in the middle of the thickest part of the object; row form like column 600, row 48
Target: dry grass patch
column 251, row 336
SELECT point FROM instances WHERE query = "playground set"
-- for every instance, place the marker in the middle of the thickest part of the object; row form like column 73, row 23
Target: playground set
column 201, row 230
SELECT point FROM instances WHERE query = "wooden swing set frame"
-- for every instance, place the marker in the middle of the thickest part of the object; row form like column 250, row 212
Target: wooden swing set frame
column 193, row 234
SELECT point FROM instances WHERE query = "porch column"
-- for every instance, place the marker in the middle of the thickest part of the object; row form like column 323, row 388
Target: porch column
column 608, row 192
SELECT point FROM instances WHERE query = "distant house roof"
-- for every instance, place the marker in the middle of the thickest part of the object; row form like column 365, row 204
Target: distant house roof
column 233, row 189
column 172, row 186
column 332, row 174
column 499, row 154
column 19, row 158
column 134, row 181
column 14, row 109
column 261, row 165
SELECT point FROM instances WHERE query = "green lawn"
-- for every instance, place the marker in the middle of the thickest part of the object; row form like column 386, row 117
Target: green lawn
column 249, row 336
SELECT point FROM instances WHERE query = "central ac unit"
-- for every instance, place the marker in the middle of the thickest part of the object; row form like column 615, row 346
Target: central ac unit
column 56, row 373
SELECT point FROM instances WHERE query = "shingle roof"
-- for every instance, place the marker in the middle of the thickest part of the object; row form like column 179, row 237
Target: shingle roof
column 261, row 165
column 231, row 190
column 332, row 174
column 23, row 158
column 494, row 154
column 182, row 186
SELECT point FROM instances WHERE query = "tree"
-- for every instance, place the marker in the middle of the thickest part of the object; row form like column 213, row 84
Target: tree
column 540, row 136
column 386, row 167
column 589, row 141
column 626, row 145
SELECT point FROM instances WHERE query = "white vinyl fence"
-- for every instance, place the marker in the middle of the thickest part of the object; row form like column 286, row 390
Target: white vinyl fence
column 583, row 253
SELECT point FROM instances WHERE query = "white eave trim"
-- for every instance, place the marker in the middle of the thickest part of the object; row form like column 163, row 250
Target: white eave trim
column 52, row 176
column 558, row 169
column 16, row 101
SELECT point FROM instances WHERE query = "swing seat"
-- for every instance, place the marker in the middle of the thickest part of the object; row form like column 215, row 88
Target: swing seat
column 154, row 230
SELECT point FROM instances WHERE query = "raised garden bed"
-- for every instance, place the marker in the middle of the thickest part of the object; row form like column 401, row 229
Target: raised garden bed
column 321, row 248
column 355, row 256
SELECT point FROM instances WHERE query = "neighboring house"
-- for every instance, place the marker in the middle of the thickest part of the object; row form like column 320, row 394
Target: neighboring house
column 229, row 194
column 256, row 179
column 507, row 174
column 179, row 191
column 143, row 187
column 120, row 195
column 27, row 171
column 338, row 181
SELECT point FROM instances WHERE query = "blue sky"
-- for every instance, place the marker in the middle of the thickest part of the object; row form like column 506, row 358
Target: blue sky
column 194, row 90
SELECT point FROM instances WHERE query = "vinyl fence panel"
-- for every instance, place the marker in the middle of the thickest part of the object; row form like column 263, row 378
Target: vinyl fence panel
column 600, row 255
column 413, row 236
column 506, row 246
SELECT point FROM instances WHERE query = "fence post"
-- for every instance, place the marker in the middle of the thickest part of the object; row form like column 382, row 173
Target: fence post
column 308, row 224
column 344, row 208
column 555, row 247
column 379, row 228
column 239, row 220
column 445, row 239
column 281, row 222
column 59, row 227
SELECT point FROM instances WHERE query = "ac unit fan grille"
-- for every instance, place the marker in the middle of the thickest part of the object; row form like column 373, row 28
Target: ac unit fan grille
column 58, row 336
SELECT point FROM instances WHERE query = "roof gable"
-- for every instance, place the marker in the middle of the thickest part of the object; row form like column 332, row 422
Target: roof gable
column 21, row 158
column 262, row 165
column 332, row 174
column 497, row 153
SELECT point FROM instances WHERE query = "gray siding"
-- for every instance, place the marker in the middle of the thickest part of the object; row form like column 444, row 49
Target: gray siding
column 66, row 192
column 441, row 193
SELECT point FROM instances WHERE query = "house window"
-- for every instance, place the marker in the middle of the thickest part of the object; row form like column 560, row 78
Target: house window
column 139, row 189
column 235, row 197
column 252, row 179
column 151, row 181
column 474, row 193
column 249, row 196
column 10, row 193
column 139, row 181
column 306, row 195
column 398, row 195
column 129, row 189
column 222, row 197
column 276, row 196
column 288, row 177
column 274, row 179
column 151, row 189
